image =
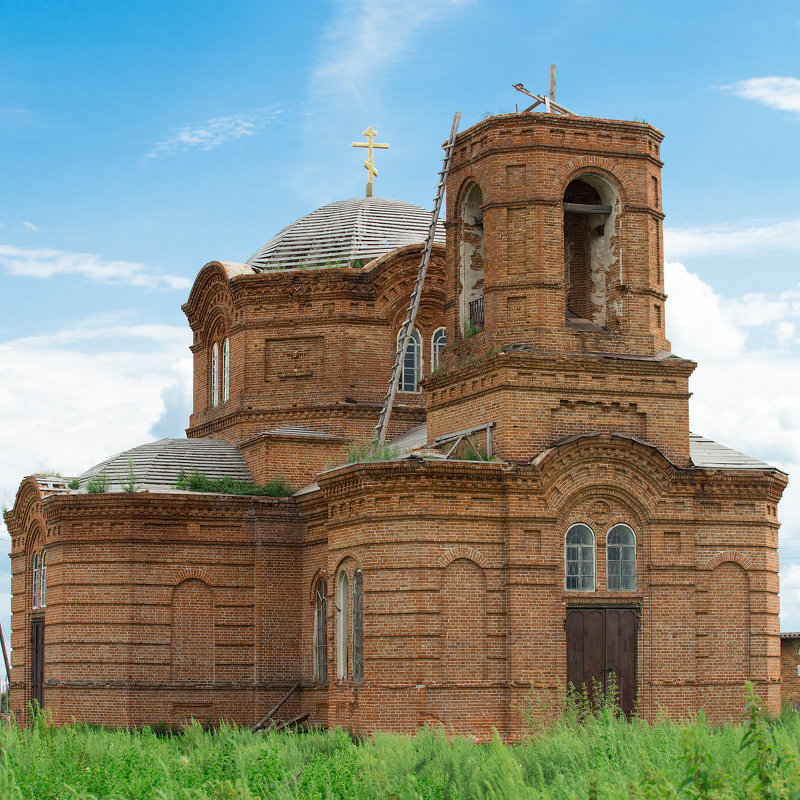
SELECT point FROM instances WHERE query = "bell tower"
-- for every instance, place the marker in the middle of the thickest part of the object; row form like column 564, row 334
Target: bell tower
column 555, row 287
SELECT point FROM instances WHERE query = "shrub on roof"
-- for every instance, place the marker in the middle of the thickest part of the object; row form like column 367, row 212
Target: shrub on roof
column 198, row 482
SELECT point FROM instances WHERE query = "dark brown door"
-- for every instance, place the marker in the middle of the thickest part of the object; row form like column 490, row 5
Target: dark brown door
column 37, row 661
column 601, row 649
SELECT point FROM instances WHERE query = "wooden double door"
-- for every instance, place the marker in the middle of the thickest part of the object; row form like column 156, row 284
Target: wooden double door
column 601, row 652
column 37, row 661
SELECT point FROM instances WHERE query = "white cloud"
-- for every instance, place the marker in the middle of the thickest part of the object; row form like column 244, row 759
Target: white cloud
column 214, row 132
column 745, row 389
column 46, row 262
column 774, row 91
column 65, row 409
column 30, row 226
column 366, row 36
column 739, row 239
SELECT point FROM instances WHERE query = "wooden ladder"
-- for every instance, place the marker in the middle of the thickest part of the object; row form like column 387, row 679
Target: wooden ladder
column 408, row 325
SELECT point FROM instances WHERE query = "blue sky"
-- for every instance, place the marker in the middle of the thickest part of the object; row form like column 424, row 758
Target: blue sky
column 141, row 140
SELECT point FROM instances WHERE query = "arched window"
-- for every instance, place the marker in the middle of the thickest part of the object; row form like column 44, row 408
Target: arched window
column 215, row 375
column 321, row 633
column 412, row 365
column 470, row 257
column 438, row 341
column 42, row 593
column 358, row 627
column 35, row 603
column 621, row 558
column 226, row 370
column 579, row 547
column 342, row 613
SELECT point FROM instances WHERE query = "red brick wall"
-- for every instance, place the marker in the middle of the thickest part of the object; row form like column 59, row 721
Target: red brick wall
column 790, row 676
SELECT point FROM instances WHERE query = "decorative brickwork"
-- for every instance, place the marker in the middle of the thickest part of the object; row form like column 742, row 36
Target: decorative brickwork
column 464, row 594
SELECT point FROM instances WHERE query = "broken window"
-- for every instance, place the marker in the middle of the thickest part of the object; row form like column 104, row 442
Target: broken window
column 342, row 614
column 438, row 341
column 412, row 364
column 591, row 207
column 358, row 627
column 621, row 557
column 579, row 546
column 226, row 363
column 470, row 255
column 215, row 375
column 321, row 633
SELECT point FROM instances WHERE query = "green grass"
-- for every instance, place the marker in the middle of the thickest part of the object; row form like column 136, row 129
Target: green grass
column 599, row 757
column 369, row 450
column 198, row 482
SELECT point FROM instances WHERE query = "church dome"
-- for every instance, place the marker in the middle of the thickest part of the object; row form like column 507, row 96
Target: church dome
column 157, row 465
column 346, row 232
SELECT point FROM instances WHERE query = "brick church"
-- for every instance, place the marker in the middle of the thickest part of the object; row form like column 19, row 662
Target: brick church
column 545, row 517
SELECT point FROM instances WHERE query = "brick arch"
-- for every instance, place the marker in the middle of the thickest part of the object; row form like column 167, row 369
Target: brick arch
column 348, row 555
column 320, row 575
column 729, row 555
column 463, row 551
column 216, row 325
column 635, row 513
column 462, row 190
column 604, row 167
column 192, row 573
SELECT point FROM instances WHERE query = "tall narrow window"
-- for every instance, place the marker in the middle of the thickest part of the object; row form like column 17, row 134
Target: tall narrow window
column 35, row 603
column 42, row 593
column 342, row 613
column 215, row 375
column 321, row 633
column 438, row 341
column 412, row 365
column 580, row 558
column 621, row 555
column 358, row 627
column 226, row 370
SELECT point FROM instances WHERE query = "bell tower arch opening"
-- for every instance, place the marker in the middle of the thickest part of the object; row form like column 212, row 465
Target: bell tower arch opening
column 470, row 259
column 591, row 250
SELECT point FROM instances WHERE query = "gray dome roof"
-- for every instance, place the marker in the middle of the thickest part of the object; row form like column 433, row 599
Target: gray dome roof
column 156, row 465
column 339, row 233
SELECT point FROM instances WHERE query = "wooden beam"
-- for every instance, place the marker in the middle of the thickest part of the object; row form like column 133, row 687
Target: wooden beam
column 586, row 208
column 291, row 722
column 552, row 84
column 5, row 658
column 288, row 694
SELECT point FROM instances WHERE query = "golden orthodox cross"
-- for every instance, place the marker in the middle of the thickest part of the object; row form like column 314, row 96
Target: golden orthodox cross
column 368, row 164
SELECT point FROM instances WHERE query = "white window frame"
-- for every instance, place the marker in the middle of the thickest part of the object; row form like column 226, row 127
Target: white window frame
column 415, row 352
column 43, row 580
column 567, row 576
column 437, row 347
column 342, row 614
column 35, row 584
column 321, row 632
column 214, row 375
column 226, row 369
column 621, row 587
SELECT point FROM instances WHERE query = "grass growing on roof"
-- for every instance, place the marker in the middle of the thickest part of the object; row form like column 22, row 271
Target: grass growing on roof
column 369, row 450
column 198, row 482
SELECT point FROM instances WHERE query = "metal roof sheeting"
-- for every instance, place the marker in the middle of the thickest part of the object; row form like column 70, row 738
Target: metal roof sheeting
column 711, row 455
column 156, row 465
column 339, row 233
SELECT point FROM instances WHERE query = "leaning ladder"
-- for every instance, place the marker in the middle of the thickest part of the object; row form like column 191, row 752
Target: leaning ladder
column 416, row 294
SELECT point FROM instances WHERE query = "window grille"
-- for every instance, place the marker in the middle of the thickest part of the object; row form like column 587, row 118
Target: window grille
column 438, row 341
column 621, row 558
column 358, row 627
column 321, row 633
column 42, row 593
column 215, row 375
column 476, row 312
column 580, row 558
column 412, row 365
column 226, row 370
column 35, row 603
column 342, row 613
